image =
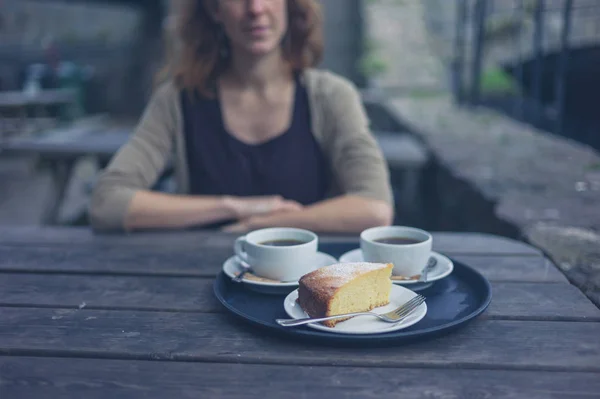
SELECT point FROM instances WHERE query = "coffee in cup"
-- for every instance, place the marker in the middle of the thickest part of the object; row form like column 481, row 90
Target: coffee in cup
column 279, row 253
column 408, row 248
column 398, row 240
column 282, row 243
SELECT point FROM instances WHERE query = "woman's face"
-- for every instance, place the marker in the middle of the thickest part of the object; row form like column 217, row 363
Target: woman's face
column 255, row 27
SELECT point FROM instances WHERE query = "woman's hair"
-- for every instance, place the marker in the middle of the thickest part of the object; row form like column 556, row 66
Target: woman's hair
column 198, row 51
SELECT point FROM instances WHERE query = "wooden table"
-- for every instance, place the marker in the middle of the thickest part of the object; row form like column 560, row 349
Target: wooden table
column 84, row 316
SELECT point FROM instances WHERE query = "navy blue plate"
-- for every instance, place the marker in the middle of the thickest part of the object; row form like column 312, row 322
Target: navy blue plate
column 451, row 302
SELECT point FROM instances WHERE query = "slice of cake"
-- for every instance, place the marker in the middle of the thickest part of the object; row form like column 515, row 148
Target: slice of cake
column 345, row 288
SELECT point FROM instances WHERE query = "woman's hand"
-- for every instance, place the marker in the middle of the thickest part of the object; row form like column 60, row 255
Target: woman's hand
column 247, row 207
column 161, row 210
column 242, row 226
column 256, row 221
column 250, row 223
column 336, row 215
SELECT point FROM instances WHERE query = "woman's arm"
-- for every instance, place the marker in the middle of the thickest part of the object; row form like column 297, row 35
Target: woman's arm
column 358, row 164
column 344, row 214
column 157, row 210
column 137, row 164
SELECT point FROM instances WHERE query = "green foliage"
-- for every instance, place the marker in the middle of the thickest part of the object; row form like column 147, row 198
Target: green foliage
column 495, row 81
column 594, row 166
column 370, row 64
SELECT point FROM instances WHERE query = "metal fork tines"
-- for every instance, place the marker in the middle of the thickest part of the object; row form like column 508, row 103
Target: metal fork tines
column 405, row 309
column 393, row 316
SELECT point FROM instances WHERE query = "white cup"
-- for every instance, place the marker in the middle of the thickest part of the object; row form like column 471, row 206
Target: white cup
column 283, row 263
column 408, row 259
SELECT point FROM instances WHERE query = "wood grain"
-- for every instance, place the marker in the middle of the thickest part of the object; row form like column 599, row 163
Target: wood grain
column 110, row 260
column 498, row 344
column 455, row 243
column 102, row 292
column 49, row 378
column 534, row 269
column 482, row 244
column 510, row 301
column 71, row 236
column 528, row 301
column 207, row 262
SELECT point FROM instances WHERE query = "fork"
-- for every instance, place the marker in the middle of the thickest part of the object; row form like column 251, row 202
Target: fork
column 393, row 316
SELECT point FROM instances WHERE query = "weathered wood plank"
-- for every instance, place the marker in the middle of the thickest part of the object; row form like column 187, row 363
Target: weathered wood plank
column 511, row 300
column 207, row 262
column 75, row 236
column 445, row 242
column 477, row 243
column 150, row 260
column 455, row 243
column 532, row 269
column 48, row 378
column 541, row 302
column 184, row 294
column 499, row 344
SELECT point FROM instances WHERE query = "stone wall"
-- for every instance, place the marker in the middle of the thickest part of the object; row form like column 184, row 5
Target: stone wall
column 509, row 30
column 488, row 172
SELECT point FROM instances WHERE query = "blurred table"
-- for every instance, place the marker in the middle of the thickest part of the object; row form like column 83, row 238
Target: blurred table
column 60, row 149
column 131, row 316
column 19, row 101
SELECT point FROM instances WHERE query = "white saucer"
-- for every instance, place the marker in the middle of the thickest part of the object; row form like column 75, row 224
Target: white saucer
column 363, row 324
column 232, row 267
column 442, row 269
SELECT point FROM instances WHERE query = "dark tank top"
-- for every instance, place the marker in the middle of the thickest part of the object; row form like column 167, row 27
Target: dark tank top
column 291, row 165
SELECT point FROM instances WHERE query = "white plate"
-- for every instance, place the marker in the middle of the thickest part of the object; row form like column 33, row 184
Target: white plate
column 232, row 267
column 442, row 269
column 363, row 324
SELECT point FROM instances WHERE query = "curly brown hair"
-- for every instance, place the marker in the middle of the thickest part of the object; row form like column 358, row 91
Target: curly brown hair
column 199, row 56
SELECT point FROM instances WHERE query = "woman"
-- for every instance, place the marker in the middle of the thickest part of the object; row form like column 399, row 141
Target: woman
column 259, row 137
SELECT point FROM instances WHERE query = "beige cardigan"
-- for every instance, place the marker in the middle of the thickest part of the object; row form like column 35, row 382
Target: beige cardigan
column 339, row 124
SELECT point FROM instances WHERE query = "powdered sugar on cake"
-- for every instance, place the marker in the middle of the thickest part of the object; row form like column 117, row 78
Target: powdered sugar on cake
column 341, row 273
